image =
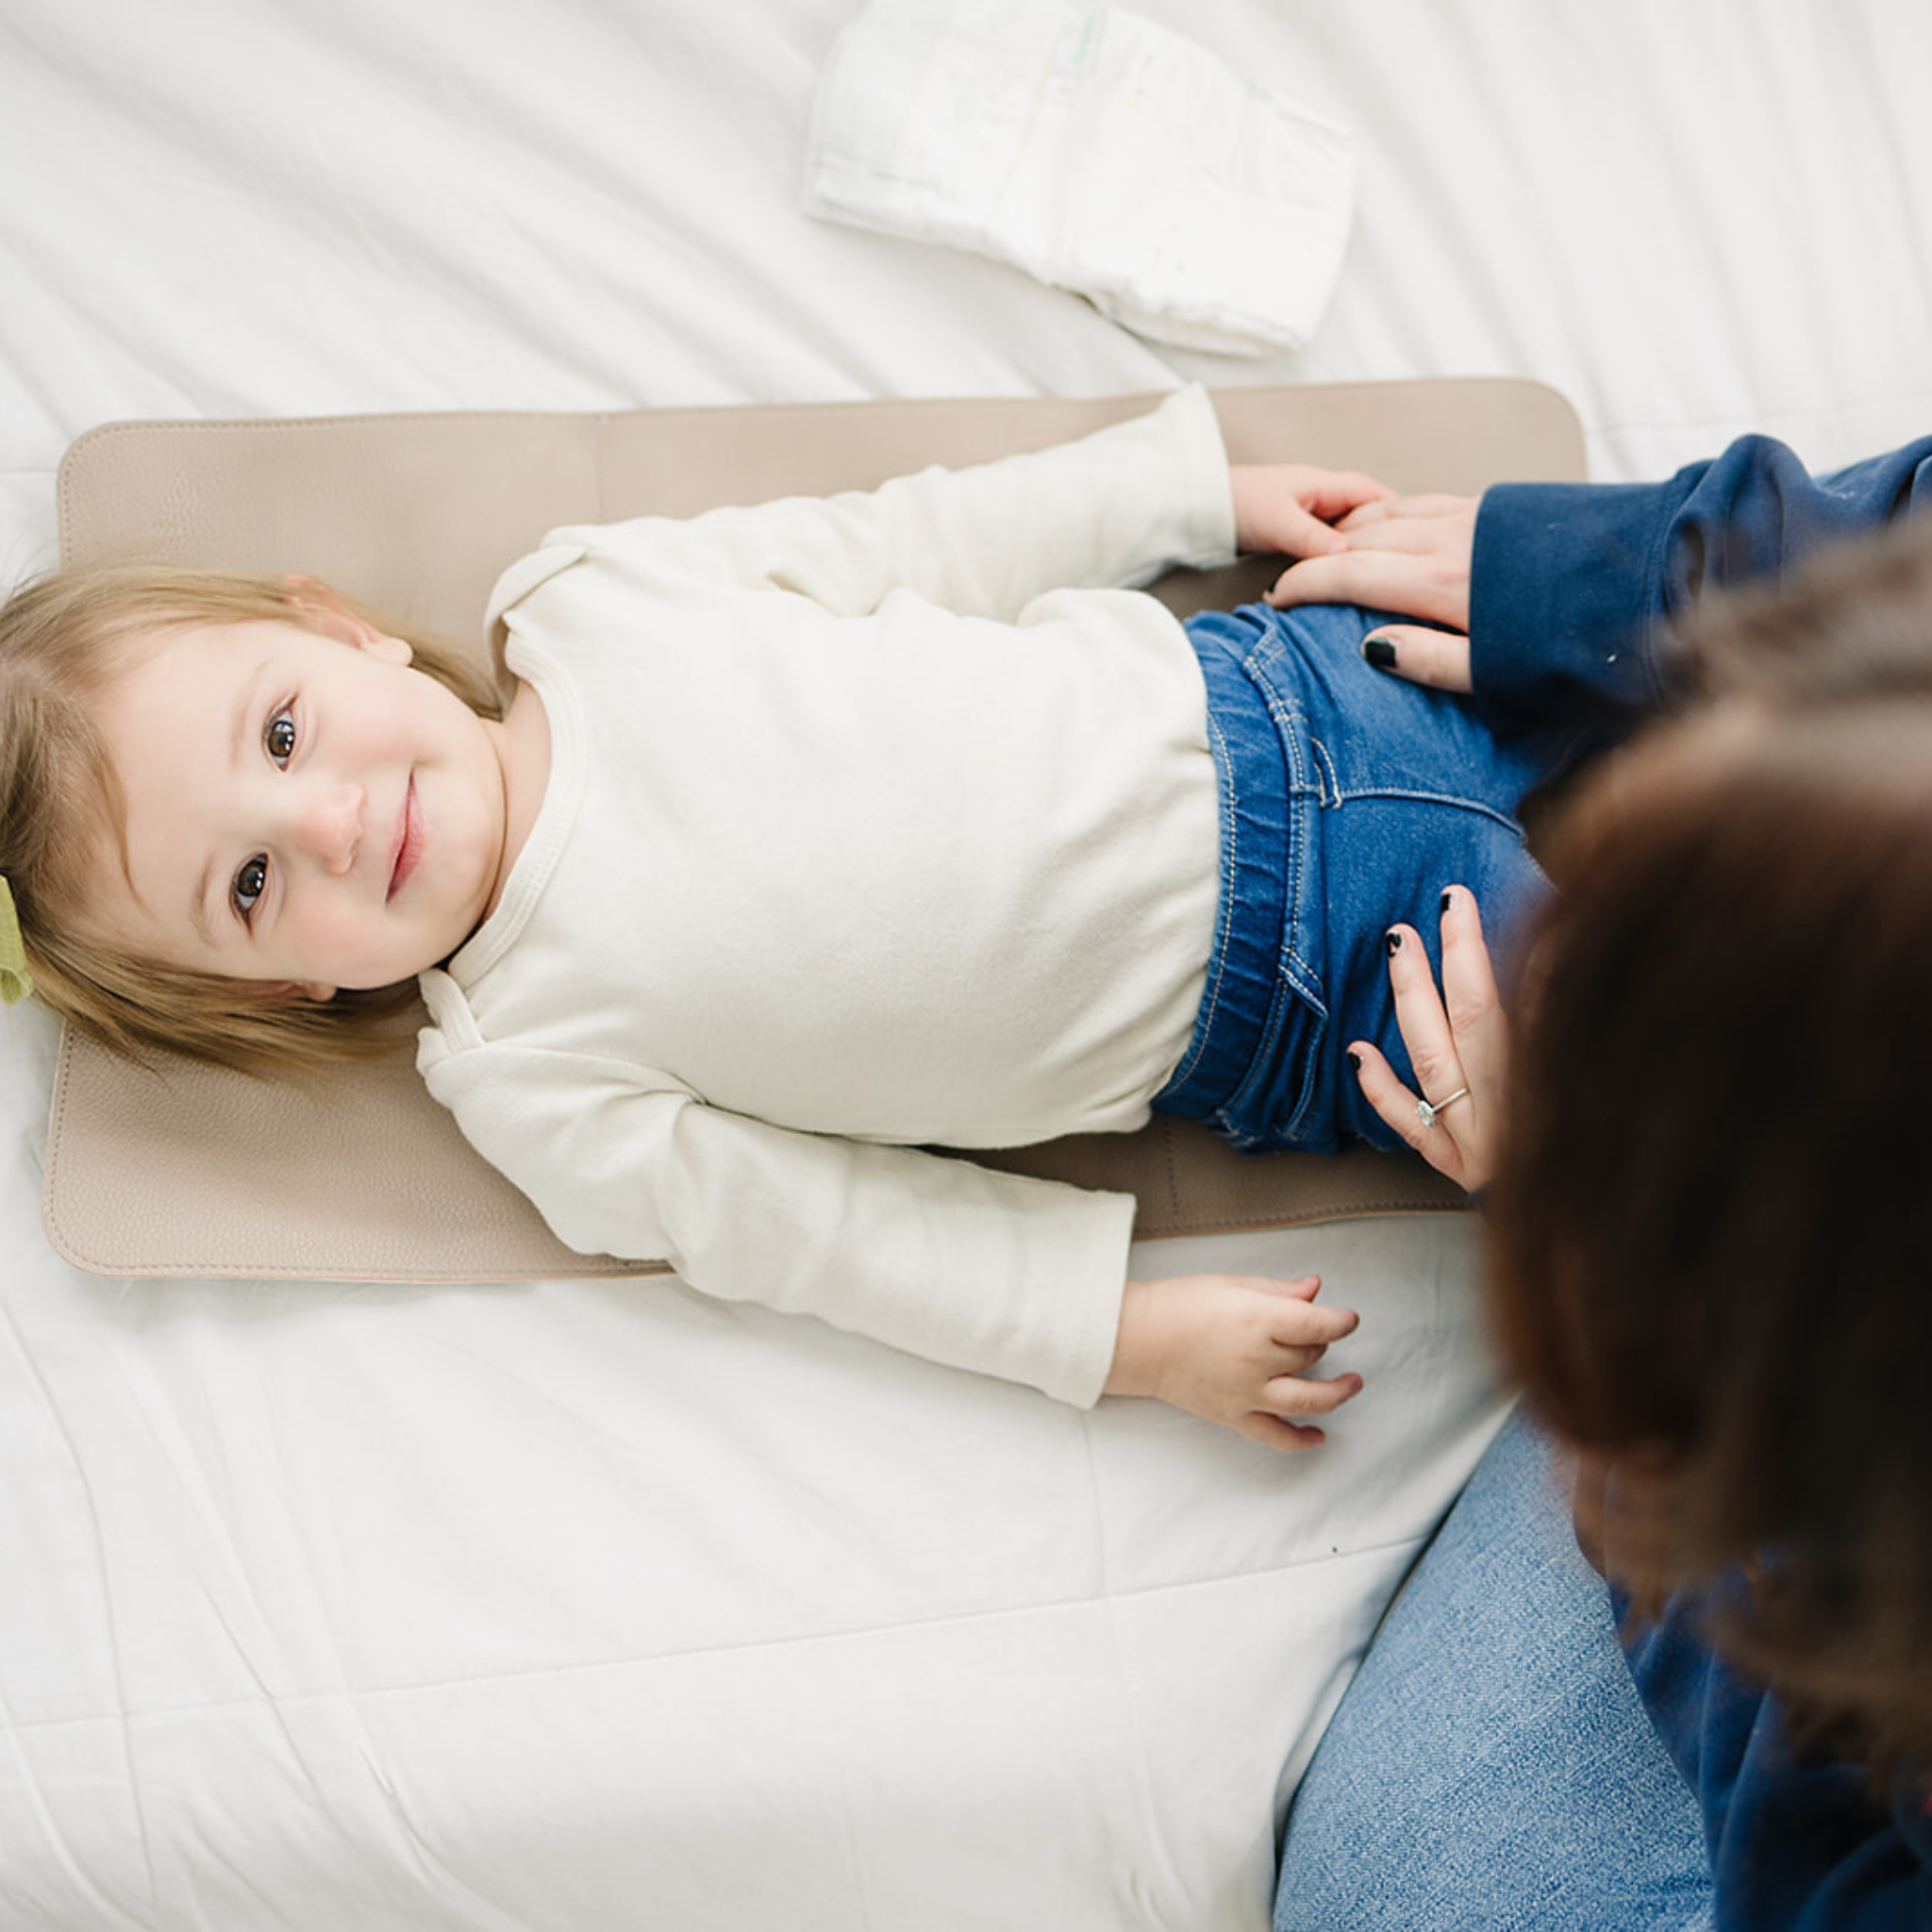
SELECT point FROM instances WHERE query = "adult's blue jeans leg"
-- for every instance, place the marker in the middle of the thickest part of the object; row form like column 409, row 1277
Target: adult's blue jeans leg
column 1491, row 1766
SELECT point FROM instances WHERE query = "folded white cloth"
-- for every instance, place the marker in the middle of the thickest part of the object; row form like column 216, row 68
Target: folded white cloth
column 1094, row 149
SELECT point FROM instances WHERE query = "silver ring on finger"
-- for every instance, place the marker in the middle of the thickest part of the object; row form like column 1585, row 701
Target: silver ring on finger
column 1428, row 1112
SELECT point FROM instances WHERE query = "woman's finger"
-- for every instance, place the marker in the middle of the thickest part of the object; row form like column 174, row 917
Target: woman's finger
column 1415, row 585
column 1395, row 508
column 1383, row 1088
column 1396, row 1106
column 1422, row 1017
column 1477, row 1021
column 1409, row 536
column 1479, row 1028
column 1438, row 659
column 1386, row 1091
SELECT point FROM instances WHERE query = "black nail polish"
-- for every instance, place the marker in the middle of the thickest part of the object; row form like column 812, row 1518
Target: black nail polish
column 1380, row 652
column 1354, row 1061
column 1448, row 899
column 1394, row 940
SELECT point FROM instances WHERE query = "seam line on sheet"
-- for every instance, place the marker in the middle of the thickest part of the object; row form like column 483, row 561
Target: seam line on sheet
column 494, row 1679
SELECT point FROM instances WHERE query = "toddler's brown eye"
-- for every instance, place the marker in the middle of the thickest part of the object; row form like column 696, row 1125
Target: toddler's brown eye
column 250, row 881
column 280, row 738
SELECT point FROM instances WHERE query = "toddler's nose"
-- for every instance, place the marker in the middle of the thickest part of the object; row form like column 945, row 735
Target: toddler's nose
column 331, row 826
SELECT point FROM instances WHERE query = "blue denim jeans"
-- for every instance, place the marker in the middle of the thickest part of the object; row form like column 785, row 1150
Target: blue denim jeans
column 1349, row 799
column 1491, row 1767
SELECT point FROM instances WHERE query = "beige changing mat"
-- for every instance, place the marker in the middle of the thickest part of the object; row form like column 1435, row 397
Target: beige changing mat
column 184, row 1170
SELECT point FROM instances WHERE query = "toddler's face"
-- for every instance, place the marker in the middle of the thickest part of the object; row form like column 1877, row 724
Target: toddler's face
column 303, row 807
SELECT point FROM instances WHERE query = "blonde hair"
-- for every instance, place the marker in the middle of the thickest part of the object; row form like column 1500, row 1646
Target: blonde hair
column 63, row 640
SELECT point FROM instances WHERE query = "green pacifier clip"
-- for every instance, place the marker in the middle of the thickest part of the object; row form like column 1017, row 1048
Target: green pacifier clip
column 16, row 982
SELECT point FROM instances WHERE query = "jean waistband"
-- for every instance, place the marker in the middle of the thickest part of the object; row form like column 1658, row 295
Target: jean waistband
column 1260, row 980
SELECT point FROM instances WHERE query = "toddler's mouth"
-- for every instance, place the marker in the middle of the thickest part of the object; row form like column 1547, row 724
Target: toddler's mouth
column 408, row 842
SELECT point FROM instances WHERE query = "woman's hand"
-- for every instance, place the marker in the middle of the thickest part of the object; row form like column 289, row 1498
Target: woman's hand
column 1288, row 509
column 1233, row 1348
column 1457, row 1041
column 1409, row 553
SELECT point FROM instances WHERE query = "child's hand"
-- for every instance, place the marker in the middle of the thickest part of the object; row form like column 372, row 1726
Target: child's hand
column 1404, row 552
column 1457, row 1042
column 1233, row 1348
column 1287, row 509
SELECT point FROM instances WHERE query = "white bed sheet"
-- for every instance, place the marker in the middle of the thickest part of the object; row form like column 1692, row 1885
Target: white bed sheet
column 592, row 1606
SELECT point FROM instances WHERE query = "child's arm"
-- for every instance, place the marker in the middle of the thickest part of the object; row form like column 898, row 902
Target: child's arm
column 1235, row 1349
column 1004, row 1275
column 1113, row 509
column 1108, row 510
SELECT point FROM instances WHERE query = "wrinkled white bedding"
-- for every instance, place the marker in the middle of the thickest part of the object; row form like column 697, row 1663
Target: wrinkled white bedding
column 601, row 1605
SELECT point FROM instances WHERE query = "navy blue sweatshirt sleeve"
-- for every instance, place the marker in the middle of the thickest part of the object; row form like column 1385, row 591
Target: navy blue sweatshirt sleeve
column 1571, row 583
column 1794, row 1847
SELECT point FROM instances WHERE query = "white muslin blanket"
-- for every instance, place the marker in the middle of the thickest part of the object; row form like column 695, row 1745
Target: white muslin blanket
column 1094, row 149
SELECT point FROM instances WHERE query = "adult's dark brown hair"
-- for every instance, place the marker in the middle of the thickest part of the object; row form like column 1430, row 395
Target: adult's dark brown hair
column 1712, row 1215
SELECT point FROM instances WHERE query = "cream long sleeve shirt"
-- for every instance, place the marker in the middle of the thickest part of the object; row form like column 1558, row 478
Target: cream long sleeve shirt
column 873, row 821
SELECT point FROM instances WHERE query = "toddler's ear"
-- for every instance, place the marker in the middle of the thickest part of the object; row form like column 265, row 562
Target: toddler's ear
column 318, row 607
column 287, row 991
